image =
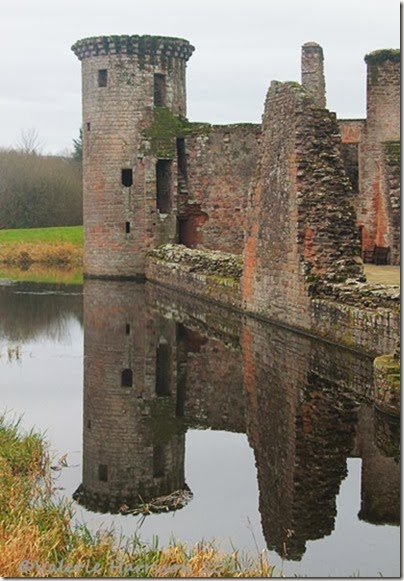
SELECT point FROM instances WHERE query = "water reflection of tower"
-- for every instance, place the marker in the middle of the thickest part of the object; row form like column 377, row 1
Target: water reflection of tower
column 133, row 441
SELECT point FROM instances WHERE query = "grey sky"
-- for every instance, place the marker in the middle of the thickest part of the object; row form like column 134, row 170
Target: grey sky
column 240, row 47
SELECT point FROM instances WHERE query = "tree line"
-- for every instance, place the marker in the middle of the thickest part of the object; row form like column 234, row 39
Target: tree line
column 38, row 190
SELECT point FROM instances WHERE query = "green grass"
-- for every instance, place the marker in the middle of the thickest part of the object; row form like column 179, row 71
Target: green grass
column 56, row 235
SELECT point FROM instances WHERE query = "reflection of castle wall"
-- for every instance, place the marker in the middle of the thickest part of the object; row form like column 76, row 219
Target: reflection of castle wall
column 301, row 423
column 213, row 376
column 133, row 444
column 209, row 359
column 379, row 446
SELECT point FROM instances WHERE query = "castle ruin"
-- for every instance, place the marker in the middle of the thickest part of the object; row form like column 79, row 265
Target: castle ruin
column 302, row 199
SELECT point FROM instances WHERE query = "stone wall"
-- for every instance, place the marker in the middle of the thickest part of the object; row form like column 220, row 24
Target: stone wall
column 213, row 276
column 382, row 125
column 392, row 189
column 220, row 163
column 302, row 230
column 312, row 70
column 351, row 135
column 121, row 215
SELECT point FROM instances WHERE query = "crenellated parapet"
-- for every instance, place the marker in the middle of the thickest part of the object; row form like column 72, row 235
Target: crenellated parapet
column 142, row 46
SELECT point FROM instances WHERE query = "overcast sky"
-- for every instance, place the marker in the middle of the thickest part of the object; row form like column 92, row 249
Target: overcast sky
column 241, row 45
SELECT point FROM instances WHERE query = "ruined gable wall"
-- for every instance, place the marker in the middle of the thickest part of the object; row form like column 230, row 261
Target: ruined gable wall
column 302, row 231
column 220, row 163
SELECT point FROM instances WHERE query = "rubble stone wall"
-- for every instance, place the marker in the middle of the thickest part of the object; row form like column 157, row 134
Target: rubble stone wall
column 221, row 160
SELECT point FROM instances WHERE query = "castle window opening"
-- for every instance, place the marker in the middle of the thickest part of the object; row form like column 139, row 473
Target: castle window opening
column 127, row 227
column 182, row 161
column 159, row 90
column 88, row 126
column 127, row 378
column 163, row 359
column 158, row 461
column 127, row 177
column 163, row 185
column 102, row 77
column 127, row 329
column 102, row 472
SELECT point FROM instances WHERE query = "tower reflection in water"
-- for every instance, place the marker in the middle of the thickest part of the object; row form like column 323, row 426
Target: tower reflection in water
column 134, row 434
column 156, row 364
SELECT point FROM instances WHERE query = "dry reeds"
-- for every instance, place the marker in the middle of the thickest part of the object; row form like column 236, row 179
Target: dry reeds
column 37, row 538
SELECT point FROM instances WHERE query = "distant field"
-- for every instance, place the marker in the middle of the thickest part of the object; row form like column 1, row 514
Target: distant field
column 382, row 274
column 58, row 235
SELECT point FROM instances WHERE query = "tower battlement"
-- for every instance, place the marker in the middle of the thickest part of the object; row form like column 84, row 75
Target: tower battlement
column 142, row 46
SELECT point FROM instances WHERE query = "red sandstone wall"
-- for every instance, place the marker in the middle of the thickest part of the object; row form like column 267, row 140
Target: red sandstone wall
column 301, row 224
column 220, row 163
column 115, row 117
column 382, row 125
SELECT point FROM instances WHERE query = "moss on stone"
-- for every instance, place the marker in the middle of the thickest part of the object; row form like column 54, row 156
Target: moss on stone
column 166, row 127
column 393, row 152
column 374, row 59
column 386, row 54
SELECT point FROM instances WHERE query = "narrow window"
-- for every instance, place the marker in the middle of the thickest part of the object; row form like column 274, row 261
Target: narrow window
column 163, row 368
column 103, row 472
column 159, row 90
column 127, row 177
column 89, row 424
column 158, row 461
column 102, row 77
column 127, row 227
column 127, row 378
column 88, row 126
column 127, row 329
column 182, row 162
column 163, row 185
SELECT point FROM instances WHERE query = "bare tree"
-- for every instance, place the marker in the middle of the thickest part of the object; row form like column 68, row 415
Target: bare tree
column 29, row 141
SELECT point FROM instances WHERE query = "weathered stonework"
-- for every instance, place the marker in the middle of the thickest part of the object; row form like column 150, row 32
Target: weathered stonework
column 302, row 232
column 377, row 211
column 120, row 77
column 221, row 162
column 313, row 72
column 289, row 195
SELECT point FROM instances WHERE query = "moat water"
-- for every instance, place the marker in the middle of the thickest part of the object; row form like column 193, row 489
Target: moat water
column 269, row 436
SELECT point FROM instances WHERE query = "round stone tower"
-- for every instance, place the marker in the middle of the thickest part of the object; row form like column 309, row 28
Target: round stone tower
column 133, row 101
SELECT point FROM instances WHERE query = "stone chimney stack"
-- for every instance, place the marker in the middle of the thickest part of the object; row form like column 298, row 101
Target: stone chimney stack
column 313, row 72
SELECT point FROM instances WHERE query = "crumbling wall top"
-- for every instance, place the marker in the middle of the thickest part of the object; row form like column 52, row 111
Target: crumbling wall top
column 133, row 45
column 386, row 54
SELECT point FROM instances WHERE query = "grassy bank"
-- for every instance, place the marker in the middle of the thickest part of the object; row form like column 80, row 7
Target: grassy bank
column 38, row 540
column 48, row 247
